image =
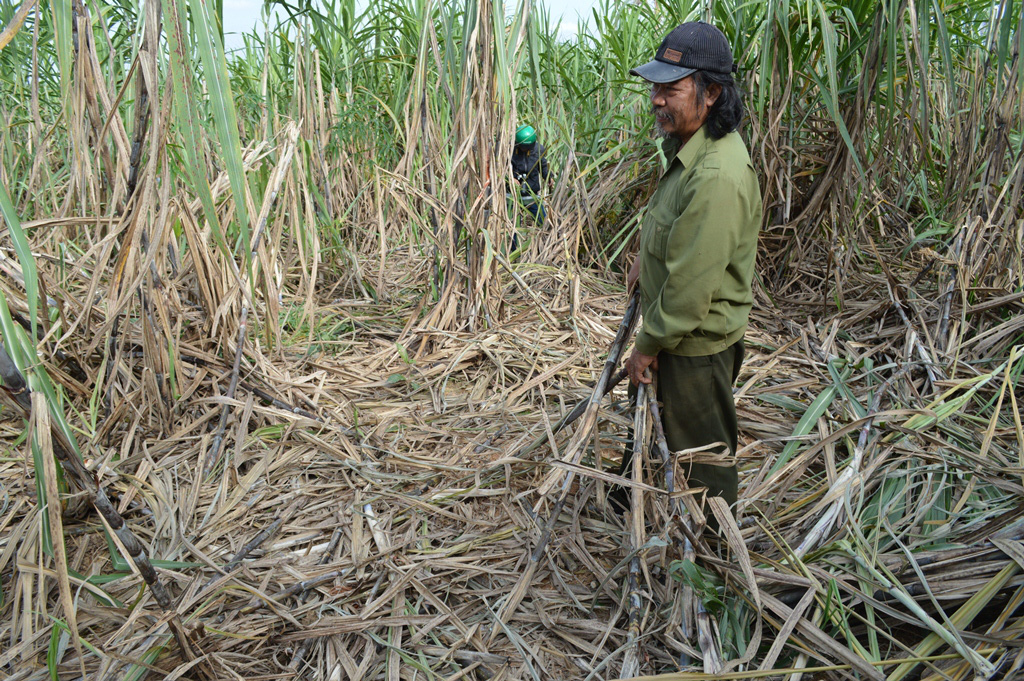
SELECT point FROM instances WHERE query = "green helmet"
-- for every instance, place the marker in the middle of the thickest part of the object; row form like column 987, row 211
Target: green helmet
column 526, row 135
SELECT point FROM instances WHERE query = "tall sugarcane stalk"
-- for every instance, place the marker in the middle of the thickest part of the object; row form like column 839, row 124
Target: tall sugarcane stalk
column 641, row 430
column 696, row 620
column 677, row 513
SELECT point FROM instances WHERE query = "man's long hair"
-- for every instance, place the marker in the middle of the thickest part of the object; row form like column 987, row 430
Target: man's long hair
column 726, row 113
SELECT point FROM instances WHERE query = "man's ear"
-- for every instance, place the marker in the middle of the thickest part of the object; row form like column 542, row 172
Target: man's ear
column 711, row 94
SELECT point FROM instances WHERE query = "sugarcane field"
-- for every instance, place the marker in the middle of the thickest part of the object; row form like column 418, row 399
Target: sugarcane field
column 494, row 340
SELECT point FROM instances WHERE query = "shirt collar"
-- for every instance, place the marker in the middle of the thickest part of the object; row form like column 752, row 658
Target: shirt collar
column 688, row 154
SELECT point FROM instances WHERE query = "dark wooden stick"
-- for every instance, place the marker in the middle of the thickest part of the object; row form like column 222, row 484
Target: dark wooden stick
column 300, row 654
column 262, row 536
column 569, row 418
column 218, row 439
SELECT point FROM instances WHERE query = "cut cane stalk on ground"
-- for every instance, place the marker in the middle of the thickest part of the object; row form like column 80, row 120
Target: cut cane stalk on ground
column 574, row 451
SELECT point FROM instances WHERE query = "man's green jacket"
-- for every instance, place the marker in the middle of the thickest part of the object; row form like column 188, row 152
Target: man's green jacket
column 697, row 248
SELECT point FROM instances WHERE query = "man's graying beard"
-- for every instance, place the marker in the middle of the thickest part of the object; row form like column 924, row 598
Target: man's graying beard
column 659, row 132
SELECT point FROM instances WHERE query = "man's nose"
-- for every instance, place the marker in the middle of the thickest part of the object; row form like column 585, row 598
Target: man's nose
column 657, row 96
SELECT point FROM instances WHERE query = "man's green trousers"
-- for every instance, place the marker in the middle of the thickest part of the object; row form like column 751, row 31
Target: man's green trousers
column 697, row 409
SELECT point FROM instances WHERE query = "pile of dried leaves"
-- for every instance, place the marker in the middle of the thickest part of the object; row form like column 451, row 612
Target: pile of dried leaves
column 375, row 502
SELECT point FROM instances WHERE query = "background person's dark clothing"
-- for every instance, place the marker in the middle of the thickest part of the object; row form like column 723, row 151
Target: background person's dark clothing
column 529, row 167
column 529, row 170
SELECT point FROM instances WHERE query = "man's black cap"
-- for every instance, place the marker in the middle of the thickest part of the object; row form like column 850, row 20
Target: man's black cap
column 693, row 46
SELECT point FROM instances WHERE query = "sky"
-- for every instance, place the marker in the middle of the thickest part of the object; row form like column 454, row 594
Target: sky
column 243, row 15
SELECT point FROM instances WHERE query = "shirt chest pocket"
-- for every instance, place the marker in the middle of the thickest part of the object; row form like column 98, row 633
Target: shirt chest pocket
column 660, row 226
column 665, row 208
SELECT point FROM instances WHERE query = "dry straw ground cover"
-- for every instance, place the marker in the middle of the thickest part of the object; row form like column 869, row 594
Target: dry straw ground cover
column 377, row 532
column 279, row 404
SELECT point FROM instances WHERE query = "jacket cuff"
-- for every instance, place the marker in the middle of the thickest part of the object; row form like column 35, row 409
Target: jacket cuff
column 646, row 345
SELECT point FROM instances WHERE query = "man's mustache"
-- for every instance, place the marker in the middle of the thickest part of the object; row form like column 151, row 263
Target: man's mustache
column 661, row 112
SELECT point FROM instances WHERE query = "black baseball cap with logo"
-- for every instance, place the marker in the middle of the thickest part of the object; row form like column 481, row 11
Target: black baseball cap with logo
column 693, row 46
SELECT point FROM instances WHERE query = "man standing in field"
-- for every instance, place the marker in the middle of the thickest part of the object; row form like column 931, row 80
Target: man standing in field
column 697, row 248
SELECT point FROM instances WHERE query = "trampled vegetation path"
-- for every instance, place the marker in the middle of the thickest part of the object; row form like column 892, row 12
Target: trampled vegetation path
column 278, row 403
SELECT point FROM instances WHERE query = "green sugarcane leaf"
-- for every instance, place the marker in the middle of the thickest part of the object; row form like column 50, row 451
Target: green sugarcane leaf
column 806, row 424
column 25, row 258
column 211, row 51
